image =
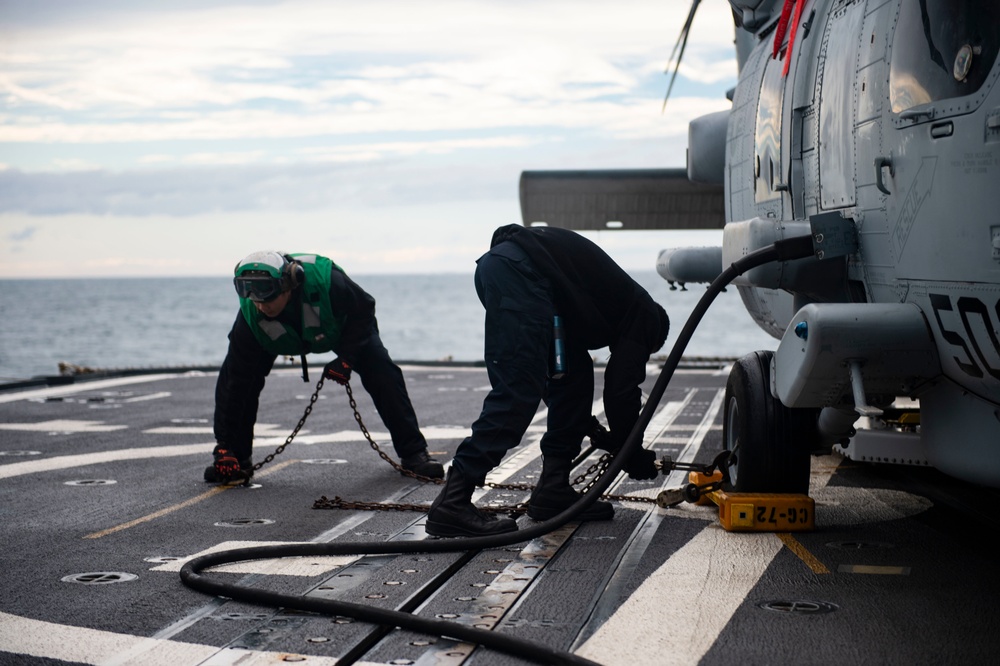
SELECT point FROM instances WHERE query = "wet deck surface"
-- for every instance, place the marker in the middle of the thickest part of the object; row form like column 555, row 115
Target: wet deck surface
column 102, row 500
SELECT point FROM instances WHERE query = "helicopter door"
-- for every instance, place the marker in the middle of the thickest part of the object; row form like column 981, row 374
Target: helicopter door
column 837, row 107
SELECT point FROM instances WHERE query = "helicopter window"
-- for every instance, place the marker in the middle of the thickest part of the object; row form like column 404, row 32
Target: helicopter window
column 942, row 49
column 767, row 165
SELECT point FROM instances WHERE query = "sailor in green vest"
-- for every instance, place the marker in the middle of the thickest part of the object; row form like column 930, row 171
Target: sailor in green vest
column 295, row 305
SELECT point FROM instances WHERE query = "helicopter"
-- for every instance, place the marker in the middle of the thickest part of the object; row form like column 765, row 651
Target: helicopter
column 872, row 125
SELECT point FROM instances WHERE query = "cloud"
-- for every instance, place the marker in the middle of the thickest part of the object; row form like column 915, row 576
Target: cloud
column 403, row 114
column 118, row 118
column 316, row 175
column 24, row 234
column 297, row 187
column 296, row 69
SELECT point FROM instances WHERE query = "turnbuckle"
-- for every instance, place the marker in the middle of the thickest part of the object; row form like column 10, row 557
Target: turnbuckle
column 666, row 464
column 717, row 470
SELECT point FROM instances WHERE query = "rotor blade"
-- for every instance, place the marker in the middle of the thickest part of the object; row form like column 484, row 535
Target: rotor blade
column 681, row 44
column 620, row 199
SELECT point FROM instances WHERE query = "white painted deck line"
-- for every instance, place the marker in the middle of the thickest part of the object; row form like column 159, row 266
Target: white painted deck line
column 699, row 588
column 19, row 635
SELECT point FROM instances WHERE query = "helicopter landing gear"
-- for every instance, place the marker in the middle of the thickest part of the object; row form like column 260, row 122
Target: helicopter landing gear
column 770, row 442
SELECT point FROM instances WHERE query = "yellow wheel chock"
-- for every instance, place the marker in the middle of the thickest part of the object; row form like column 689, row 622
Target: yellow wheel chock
column 752, row 512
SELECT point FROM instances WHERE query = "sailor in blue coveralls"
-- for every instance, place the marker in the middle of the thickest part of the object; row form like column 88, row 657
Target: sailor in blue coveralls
column 527, row 278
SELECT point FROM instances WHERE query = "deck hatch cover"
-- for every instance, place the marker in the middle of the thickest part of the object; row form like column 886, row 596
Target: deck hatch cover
column 798, row 606
column 100, row 577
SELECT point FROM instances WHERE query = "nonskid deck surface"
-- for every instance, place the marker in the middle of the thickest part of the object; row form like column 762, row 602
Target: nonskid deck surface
column 103, row 500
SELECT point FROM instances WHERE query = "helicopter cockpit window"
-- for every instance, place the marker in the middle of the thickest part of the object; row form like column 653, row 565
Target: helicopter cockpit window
column 942, row 49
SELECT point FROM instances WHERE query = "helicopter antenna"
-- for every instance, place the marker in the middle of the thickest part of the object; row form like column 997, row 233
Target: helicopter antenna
column 678, row 51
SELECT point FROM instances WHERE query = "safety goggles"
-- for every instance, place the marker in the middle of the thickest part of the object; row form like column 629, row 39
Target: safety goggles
column 259, row 288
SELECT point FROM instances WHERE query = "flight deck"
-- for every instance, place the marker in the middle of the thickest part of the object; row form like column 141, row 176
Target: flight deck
column 103, row 502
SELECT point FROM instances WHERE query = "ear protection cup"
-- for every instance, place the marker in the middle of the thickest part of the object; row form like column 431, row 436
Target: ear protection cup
column 293, row 273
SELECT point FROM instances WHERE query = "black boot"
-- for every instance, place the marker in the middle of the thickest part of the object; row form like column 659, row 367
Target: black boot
column 453, row 514
column 553, row 494
column 422, row 464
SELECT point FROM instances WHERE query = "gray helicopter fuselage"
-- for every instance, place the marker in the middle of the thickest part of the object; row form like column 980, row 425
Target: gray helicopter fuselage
column 889, row 116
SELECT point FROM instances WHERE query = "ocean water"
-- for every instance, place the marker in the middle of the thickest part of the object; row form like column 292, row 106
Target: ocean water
column 177, row 322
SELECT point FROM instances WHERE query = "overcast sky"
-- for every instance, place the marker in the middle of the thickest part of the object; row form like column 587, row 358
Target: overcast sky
column 174, row 137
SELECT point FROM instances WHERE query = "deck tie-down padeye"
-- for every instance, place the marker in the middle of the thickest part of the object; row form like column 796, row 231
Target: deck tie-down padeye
column 738, row 512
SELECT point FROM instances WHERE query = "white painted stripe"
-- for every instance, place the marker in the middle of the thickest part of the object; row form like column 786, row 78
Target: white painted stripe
column 664, row 418
column 648, row 526
column 81, row 387
column 269, row 437
column 679, row 477
column 272, row 430
column 698, row 588
column 62, row 425
column 285, row 566
column 19, row 635
column 64, row 462
column 180, row 430
column 676, row 441
column 443, row 368
column 151, row 396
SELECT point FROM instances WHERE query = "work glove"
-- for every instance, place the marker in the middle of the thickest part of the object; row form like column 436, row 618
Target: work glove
column 338, row 370
column 226, row 465
column 600, row 437
column 639, row 467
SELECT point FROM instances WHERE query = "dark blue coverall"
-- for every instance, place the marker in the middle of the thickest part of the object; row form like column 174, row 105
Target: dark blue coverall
column 523, row 285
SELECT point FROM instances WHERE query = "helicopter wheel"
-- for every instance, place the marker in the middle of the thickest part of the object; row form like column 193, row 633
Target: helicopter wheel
column 771, row 442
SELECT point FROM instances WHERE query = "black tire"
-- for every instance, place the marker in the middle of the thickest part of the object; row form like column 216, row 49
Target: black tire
column 771, row 441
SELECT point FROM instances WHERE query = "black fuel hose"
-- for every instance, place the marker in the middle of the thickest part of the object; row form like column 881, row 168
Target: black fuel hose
column 191, row 576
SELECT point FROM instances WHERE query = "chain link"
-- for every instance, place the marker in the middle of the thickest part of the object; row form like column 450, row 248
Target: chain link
column 298, row 426
column 245, row 478
column 364, row 431
column 340, row 503
column 596, row 471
